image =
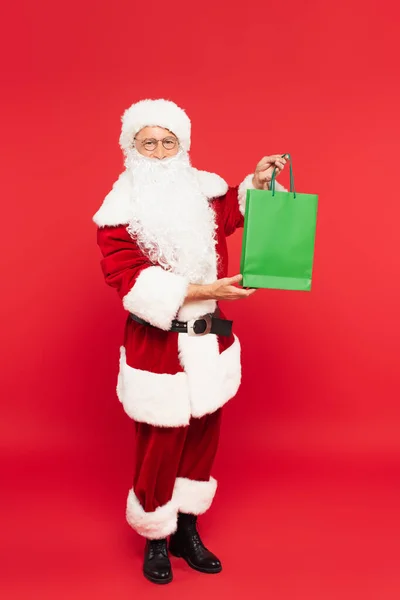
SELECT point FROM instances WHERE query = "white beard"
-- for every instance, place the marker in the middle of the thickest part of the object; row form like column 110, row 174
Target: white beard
column 173, row 222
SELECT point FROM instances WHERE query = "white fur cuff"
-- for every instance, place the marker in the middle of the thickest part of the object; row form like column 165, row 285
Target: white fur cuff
column 247, row 184
column 151, row 525
column 156, row 296
column 194, row 497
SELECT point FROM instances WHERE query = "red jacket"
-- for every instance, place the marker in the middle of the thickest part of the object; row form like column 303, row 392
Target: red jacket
column 166, row 378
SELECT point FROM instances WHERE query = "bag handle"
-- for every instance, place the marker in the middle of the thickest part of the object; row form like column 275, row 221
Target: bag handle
column 273, row 179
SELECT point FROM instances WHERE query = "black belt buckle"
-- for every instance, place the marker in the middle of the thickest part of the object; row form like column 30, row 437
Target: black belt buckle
column 199, row 327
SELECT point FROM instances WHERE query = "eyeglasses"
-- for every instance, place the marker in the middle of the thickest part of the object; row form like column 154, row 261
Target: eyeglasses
column 169, row 143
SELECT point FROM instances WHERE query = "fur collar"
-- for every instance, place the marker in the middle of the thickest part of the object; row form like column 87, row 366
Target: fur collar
column 115, row 209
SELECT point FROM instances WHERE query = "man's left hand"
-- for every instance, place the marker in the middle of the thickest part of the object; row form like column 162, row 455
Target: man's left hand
column 264, row 169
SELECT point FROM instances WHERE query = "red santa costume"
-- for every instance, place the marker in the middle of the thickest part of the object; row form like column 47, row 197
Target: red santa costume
column 163, row 226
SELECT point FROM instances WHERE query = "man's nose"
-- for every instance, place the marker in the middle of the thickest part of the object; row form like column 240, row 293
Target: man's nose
column 159, row 152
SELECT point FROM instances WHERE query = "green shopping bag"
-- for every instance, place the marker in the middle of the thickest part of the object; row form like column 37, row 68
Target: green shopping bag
column 278, row 238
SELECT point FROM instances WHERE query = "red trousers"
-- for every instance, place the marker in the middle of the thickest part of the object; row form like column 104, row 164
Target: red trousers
column 172, row 473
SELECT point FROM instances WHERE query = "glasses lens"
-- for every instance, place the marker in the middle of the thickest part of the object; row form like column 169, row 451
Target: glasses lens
column 150, row 145
column 169, row 143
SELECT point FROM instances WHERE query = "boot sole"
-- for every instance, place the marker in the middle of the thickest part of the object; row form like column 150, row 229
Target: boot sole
column 157, row 581
column 192, row 566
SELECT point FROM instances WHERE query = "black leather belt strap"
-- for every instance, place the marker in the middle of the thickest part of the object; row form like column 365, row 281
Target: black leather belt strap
column 196, row 327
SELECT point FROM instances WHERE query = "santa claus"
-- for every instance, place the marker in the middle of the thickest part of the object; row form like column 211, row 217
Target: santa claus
column 162, row 232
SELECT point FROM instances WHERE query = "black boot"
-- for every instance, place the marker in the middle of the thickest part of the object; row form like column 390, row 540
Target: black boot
column 156, row 566
column 186, row 543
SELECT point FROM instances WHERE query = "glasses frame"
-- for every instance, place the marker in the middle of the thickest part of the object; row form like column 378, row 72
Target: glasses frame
column 147, row 140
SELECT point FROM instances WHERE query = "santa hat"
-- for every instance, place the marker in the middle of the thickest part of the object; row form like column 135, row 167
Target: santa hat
column 160, row 113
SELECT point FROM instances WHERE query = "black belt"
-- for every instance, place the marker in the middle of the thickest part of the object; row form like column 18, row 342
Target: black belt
column 196, row 327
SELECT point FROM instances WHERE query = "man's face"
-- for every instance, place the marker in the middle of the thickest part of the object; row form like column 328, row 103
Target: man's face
column 156, row 142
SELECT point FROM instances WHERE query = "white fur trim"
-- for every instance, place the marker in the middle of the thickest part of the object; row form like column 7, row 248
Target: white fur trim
column 151, row 525
column 211, row 184
column 117, row 208
column 279, row 187
column 247, row 184
column 213, row 378
column 196, row 309
column 157, row 399
column 210, row 379
column 194, row 497
column 199, row 357
column 230, row 371
column 159, row 113
column 156, row 296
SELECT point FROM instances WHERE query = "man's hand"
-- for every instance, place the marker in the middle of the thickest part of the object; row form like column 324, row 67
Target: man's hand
column 225, row 289
column 265, row 168
column 222, row 289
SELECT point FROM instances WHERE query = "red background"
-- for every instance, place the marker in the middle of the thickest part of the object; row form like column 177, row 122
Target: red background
column 309, row 458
